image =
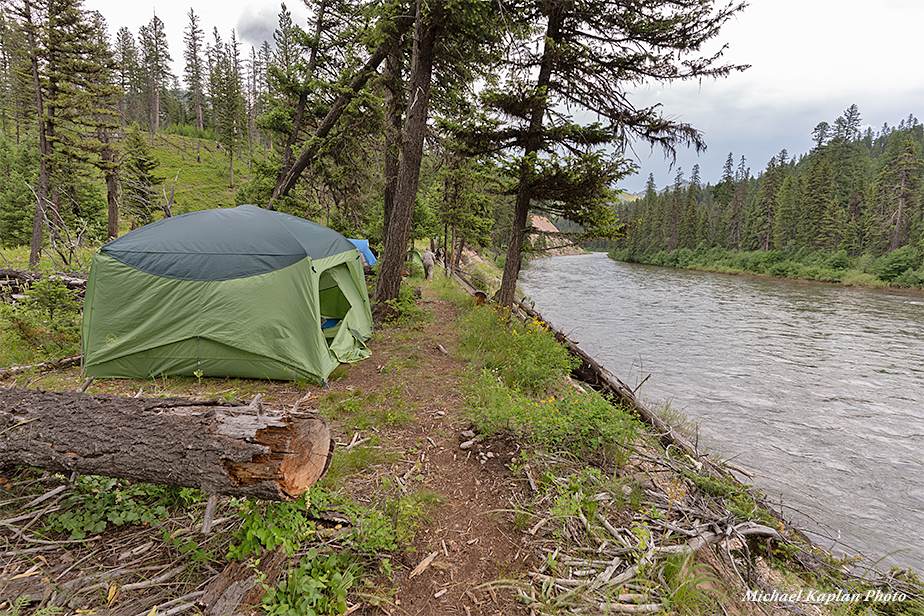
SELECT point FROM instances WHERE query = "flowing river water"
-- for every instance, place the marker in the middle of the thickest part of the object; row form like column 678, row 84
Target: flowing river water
column 818, row 388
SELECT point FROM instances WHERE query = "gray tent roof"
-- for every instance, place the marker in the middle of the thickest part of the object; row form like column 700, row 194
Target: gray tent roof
column 224, row 244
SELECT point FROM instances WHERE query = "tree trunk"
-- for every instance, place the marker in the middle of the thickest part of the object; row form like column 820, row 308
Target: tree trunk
column 415, row 128
column 289, row 176
column 110, row 166
column 231, row 165
column 507, row 290
column 393, row 112
column 218, row 449
column 44, row 179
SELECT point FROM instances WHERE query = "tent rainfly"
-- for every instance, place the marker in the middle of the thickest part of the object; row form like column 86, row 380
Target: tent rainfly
column 242, row 292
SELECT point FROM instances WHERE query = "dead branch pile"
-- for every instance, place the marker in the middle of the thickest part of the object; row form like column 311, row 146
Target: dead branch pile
column 662, row 535
column 14, row 282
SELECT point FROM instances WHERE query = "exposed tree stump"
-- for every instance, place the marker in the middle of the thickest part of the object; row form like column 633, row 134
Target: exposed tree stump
column 240, row 586
column 234, row 450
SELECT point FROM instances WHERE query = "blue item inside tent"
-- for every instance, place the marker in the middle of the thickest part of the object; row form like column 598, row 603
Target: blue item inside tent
column 365, row 251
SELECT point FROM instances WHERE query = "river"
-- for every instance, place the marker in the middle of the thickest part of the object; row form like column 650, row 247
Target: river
column 819, row 388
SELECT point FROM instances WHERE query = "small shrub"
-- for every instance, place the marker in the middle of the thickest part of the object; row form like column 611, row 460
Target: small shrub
column 271, row 525
column 861, row 279
column 45, row 325
column 99, row 501
column 838, row 261
column 403, row 310
column 891, row 266
column 318, row 587
column 785, row 269
column 909, row 278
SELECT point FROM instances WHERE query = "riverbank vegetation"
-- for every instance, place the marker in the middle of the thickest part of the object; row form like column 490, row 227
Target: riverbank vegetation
column 849, row 211
column 899, row 269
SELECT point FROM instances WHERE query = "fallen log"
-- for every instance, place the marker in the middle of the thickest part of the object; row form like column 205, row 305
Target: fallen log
column 233, row 450
column 57, row 364
column 21, row 278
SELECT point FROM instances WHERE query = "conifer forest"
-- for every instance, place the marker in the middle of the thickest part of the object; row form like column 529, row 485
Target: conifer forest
column 853, row 202
column 444, row 120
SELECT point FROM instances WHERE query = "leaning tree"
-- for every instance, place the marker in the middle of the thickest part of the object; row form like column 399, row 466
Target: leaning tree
column 571, row 61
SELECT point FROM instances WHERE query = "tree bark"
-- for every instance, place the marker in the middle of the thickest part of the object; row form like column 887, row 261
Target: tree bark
column 412, row 139
column 242, row 584
column 218, row 449
column 394, row 106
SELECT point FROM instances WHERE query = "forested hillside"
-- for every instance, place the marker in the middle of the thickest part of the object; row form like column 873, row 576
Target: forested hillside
column 854, row 202
column 380, row 119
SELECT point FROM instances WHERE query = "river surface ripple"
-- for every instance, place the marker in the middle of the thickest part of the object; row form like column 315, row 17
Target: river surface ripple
column 819, row 387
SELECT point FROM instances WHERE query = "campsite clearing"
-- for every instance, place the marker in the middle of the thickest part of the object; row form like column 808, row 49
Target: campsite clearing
column 451, row 521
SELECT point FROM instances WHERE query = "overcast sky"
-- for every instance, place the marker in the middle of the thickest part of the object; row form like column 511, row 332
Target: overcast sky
column 810, row 60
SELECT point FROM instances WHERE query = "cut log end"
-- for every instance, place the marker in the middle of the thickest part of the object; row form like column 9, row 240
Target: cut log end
column 299, row 455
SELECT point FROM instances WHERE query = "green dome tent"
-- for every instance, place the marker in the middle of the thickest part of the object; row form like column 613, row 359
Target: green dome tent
column 241, row 292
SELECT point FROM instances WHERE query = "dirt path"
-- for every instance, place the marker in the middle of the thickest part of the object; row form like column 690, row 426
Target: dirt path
column 471, row 532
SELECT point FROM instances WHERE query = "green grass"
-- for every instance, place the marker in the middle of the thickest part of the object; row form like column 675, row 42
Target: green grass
column 358, row 411
column 200, row 171
column 585, row 425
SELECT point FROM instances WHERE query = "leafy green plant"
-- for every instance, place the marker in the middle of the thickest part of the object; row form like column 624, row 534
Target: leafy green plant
column 271, row 525
column 385, row 526
column 98, row 501
column 581, row 423
column 404, row 311
column 318, row 587
column 575, row 495
column 524, row 355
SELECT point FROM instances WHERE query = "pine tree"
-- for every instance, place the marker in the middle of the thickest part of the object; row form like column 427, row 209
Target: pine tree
column 735, row 213
column 74, row 100
column 229, row 104
column 453, row 34
column 139, row 180
column 690, row 226
column 129, row 77
column 763, row 213
column 155, row 59
column 581, row 60
column 784, row 226
column 896, row 196
column 194, row 71
column 818, row 208
column 16, row 87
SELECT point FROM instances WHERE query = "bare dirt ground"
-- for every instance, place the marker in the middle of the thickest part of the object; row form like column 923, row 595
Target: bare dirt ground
column 470, row 533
